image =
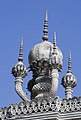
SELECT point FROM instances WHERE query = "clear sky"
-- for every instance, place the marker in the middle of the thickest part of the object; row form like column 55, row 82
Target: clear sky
column 25, row 18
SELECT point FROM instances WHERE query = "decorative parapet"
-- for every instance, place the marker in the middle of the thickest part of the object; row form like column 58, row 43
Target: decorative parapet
column 41, row 106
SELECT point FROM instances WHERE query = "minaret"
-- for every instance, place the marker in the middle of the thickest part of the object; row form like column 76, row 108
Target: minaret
column 69, row 80
column 45, row 31
column 19, row 71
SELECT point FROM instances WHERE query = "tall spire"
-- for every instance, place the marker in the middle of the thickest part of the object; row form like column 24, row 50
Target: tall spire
column 69, row 63
column 45, row 31
column 54, row 43
column 21, row 51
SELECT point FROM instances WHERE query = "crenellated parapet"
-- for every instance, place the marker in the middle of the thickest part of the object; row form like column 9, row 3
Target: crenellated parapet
column 50, row 105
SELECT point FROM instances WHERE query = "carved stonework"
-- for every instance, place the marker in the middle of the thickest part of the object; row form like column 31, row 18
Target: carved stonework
column 19, row 70
column 41, row 106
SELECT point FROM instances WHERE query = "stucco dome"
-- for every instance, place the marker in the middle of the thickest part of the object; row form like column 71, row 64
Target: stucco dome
column 42, row 51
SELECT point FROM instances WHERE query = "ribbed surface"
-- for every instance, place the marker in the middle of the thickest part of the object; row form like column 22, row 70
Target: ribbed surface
column 43, row 86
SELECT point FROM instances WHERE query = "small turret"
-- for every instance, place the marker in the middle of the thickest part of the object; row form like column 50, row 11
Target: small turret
column 69, row 80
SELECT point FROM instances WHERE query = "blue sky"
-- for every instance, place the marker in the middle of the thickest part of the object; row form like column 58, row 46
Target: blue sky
column 24, row 18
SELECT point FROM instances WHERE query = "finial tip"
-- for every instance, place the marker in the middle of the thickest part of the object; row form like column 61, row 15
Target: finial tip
column 54, row 36
column 70, row 54
column 46, row 15
column 21, row 42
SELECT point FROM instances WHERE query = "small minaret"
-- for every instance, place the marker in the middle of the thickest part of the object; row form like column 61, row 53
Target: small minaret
column 19, row 71
column 55, row 59
column 45, row 31
column 69, row 80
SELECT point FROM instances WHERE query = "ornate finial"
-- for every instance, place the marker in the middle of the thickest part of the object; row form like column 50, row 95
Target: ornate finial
column 45, row 31
column 69, row 63
column 54, row 43
column 21, row 51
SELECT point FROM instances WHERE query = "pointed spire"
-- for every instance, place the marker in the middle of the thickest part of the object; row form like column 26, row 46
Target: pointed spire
column 21, row 51
column 69, row 63
column 54, row 43
column 46, row 15
column 45, row 31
